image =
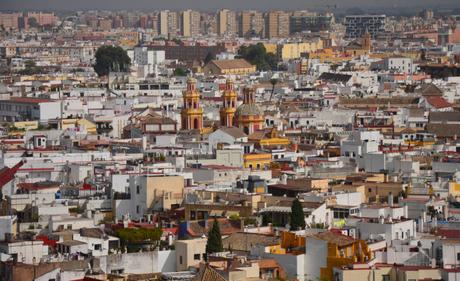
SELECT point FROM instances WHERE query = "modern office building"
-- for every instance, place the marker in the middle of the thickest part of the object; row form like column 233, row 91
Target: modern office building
column 302, row 21
column 356, row 25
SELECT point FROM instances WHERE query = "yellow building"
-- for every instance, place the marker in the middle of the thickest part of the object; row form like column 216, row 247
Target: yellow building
column 257, row 161
column 372, row 191
column 339, row 250
column 26, row 125
column 290, row 51
column 228, row 109
column 229, row 67
column 271, row 48
column 89, row 126
column 454, row 190
column 329, row 55
column 342, row 250
column 192, row 112
column 269, row 138
column 295, row 50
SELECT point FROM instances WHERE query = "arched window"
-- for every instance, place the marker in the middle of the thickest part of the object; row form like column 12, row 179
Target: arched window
column 195, row 123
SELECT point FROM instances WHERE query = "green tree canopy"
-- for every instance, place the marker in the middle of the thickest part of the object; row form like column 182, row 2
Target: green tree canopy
column 214, row 244
column 209, row 57
column 257, row 55
column 111, row 58
column 137, row 235
column 180, row 72
column 297, row 215
column 32, row 22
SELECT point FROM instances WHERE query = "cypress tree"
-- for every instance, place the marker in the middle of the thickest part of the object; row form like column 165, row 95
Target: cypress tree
column 214, row 243
column 297, row 215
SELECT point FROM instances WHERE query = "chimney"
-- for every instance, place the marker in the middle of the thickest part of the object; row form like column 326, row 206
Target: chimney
column 390, row 199
column 420, row 224
column 283, row 179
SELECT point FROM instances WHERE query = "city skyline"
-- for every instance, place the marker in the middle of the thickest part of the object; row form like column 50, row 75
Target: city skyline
column 207, row 5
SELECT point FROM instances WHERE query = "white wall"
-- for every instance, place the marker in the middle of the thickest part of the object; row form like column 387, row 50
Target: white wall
column 449, row 254
column 315, row 257
column 50, row 110
column 6, row 225
column 140, row 263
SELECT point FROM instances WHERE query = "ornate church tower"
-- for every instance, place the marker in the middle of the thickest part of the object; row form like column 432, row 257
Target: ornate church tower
column 192, row 113
column 248, row 116
column 227, row 112
column 366, row 41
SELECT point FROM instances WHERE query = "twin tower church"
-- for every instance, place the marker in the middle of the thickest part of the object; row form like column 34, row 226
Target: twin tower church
column 247, row 116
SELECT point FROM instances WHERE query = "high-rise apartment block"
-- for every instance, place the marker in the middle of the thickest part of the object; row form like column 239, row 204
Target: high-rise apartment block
column 276, row 24
column 43, row 18
column 251, row 24
column 10, row 20
column 168, row 24
column 226, row 23
column 190, row 23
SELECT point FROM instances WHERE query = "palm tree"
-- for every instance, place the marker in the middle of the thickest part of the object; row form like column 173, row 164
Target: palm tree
column 273, row 81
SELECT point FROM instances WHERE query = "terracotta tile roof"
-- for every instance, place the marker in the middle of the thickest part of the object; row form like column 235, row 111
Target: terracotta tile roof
column 232, row 64
column 429, row 90
column 438, row 102
column 443, row 130
column 243, row 241
column 444, row 117
column 233, row 131
column 448, row 233
column 7, row 174
column 334, row 238
column 227, row 227
column 29, row 100
column 207, row 273
column 38, row 185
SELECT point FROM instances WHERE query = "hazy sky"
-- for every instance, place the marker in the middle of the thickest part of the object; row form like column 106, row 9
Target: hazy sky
column 216, row 4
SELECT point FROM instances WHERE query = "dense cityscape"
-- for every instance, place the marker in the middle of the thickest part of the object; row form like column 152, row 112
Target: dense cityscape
column 310, row 145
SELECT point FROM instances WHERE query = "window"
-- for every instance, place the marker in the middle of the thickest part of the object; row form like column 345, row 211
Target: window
column 138, row 209
column 386, row 277
column 97, row 247
column 138, row 188
column 196, row 257
column 180, row 259
column 458, row 256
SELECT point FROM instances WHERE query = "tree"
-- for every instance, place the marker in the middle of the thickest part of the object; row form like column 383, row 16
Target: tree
column 257, row 55
column 273, row 81
column 214, row 244
column 32, row 22
column 31, row 68
column 111, row 58
column 209, row 57
column 180, row 72
column 297, row 215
